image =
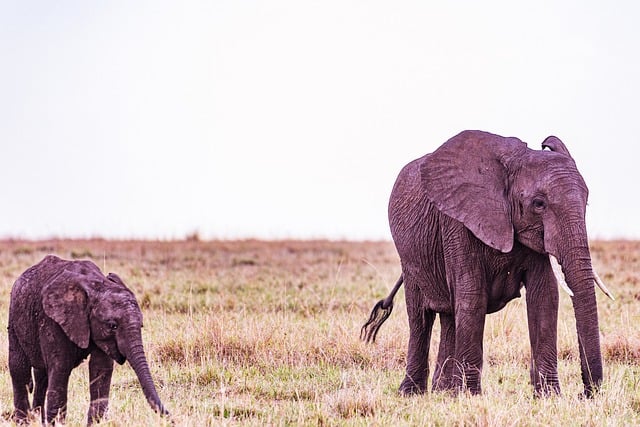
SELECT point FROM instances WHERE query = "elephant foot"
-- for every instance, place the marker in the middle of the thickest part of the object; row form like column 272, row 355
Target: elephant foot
column 443, row 386
column 589, row 392
column 467, row 381
column 96, row 413
column 475, row 391
column 443, row 382
column 19, row 417
column 28, row 417
column 547, row 385
column 409, row 387
column 547, row 391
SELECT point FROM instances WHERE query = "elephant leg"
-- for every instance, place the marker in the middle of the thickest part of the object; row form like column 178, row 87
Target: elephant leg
column 58, row 383
column 466, row 278
column 443, row 373
column 100, row 370
column 40, row 390
column 420, row 326
column 468, row 358
column 20, row 371
column 542, row 315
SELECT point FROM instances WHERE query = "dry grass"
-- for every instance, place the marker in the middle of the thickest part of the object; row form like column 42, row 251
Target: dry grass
column 255, row 333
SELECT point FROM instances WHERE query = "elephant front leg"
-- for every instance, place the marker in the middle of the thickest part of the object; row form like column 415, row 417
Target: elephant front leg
column 542, row 315
column 56, row 406
column 468, row 354
column 443, row 373
column 420, row 325
column 100, row 371
column 466, row 278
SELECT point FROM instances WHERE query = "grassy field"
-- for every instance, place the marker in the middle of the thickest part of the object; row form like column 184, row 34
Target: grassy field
column 266, row 333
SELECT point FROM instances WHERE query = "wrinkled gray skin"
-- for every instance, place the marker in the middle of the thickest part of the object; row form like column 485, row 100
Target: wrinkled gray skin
column 60, row 313
column 473, row 222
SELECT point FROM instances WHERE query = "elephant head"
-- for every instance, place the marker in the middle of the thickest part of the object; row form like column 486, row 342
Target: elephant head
column 504, row 192
column 93, row 309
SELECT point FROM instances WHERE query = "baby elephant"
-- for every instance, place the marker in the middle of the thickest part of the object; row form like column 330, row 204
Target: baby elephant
column 60, row 313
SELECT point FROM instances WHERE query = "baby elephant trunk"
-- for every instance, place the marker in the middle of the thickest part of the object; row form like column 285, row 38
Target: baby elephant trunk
column 138, row 361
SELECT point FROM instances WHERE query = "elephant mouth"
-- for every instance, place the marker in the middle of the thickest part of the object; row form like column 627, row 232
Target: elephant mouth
column 120, row 359
column 111, row 350
column 115, row 354
column 533, row 238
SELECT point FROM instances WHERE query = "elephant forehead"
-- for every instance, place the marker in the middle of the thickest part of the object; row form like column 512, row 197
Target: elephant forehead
column 86, row 267
column 118, row 304
column 549, row 172
column 566, row 186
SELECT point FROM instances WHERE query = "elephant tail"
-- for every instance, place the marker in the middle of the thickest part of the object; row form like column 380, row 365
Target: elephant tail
column 381, row 312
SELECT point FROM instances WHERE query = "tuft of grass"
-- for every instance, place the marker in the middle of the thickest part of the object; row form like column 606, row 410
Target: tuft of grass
column 350, row 403
column 621, row 349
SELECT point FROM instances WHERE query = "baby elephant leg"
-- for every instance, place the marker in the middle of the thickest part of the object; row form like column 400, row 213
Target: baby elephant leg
column 58, row 384
column 40, row 390
column 100, row 370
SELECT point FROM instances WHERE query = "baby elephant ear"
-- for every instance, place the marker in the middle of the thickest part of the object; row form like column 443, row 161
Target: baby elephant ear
column 65, row 300
column 115, row 278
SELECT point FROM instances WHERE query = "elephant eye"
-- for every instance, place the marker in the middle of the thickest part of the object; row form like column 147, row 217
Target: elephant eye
column 539, row 204
column 112, row 325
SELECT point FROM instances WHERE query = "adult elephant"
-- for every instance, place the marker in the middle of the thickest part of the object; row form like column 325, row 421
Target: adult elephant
column 473, row 222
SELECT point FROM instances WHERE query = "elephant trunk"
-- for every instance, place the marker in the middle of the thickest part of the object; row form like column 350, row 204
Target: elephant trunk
column 134, row 352
column 576, row 264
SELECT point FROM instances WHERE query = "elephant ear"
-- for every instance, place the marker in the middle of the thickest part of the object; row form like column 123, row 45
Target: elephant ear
column 65, row 300
column 554, row 143
column 116, row 279
column 467, row 179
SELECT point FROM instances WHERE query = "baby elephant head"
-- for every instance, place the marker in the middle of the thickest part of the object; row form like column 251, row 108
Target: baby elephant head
column 93, row 309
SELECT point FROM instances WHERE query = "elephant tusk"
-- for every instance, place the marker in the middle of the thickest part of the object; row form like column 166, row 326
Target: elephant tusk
column 602, row 286
column 557, row 271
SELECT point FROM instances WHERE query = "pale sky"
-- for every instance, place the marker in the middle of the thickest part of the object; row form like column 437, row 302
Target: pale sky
column 291, row 119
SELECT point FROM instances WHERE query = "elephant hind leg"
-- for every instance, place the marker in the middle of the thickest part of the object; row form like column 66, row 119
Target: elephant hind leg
column 443, row 375
column 20, row 371
column 40, row 390
column 420, row 326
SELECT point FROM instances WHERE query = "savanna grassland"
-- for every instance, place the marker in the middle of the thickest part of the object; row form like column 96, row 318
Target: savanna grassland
column 267, row 333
